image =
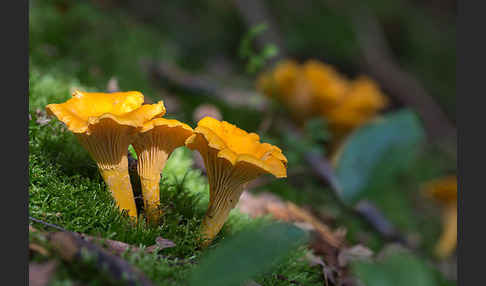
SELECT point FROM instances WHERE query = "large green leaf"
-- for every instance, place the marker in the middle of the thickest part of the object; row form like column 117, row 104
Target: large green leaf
column 247, row 254
column 397, row 270
column 392, row 139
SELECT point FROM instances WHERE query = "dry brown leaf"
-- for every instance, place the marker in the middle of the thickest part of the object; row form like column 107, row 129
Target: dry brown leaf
column 266, row 203
column 256, row 205
column 39, row 249
column 117, row 247
column 302, row 215
column 160, row 243
column 327, row 272
column 41, row 273
column 357, row 252
column 42, row 118
column 323, row 240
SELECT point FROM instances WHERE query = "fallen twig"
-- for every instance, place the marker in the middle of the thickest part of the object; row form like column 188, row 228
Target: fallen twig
column 70, row 247
column 115, row 246
column 174, row 78
column 46, row 223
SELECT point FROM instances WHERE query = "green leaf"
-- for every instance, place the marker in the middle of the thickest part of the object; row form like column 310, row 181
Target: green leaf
column 398, row 270
column 393, row 139
column 246, row 255
column 256, row 59
column 132, row 151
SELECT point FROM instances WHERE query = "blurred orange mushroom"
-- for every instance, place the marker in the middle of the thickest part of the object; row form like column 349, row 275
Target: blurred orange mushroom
column 316, row 89
column 285, row 84
column 232, row 158
column 327, row 86
column 104, row 124
column 153, row 144
column 444, row 191
column 361, row 103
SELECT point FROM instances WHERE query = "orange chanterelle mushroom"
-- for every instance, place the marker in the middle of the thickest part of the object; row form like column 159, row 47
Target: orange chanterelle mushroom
column 105, row 124
column 232, row 158
column 153, row 144
column 444, row 192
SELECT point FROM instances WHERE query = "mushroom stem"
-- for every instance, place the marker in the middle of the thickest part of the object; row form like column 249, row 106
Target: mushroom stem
column 118, row 182
column 151, row 198
column 222, row 201
column 151, row 162
column 153, row 144
column 226, row 184
column 448, row 238
column 108, row 146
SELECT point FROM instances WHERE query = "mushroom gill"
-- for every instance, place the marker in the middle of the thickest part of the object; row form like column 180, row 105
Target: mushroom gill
column 153, row 144
column 232, row 158
column 104, row 124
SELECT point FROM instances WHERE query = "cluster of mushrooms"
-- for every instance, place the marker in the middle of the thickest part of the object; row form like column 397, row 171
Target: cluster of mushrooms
column 315, row 89
column 107, row 123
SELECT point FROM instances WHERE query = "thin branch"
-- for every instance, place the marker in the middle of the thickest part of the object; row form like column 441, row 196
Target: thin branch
column 47, row 224
column 380, row 63
column 176, row 79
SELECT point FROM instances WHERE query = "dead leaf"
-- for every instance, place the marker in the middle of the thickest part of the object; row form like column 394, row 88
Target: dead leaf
column 357, row 252
column 39, row 249
column 256, row 205
column 300, row 214
column 266, row 203
column 164, row 243
column 42, row 118
column 117, row 247
column 328, row 273
column 160, row 243
column 41, row 273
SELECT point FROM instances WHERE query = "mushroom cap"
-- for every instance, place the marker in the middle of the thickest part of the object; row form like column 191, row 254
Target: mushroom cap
column 281, row 81
column 89, row 108
column 238, row 147
column 326, row 84
column 171, row 123
column 443, row 190
column 361, row 103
